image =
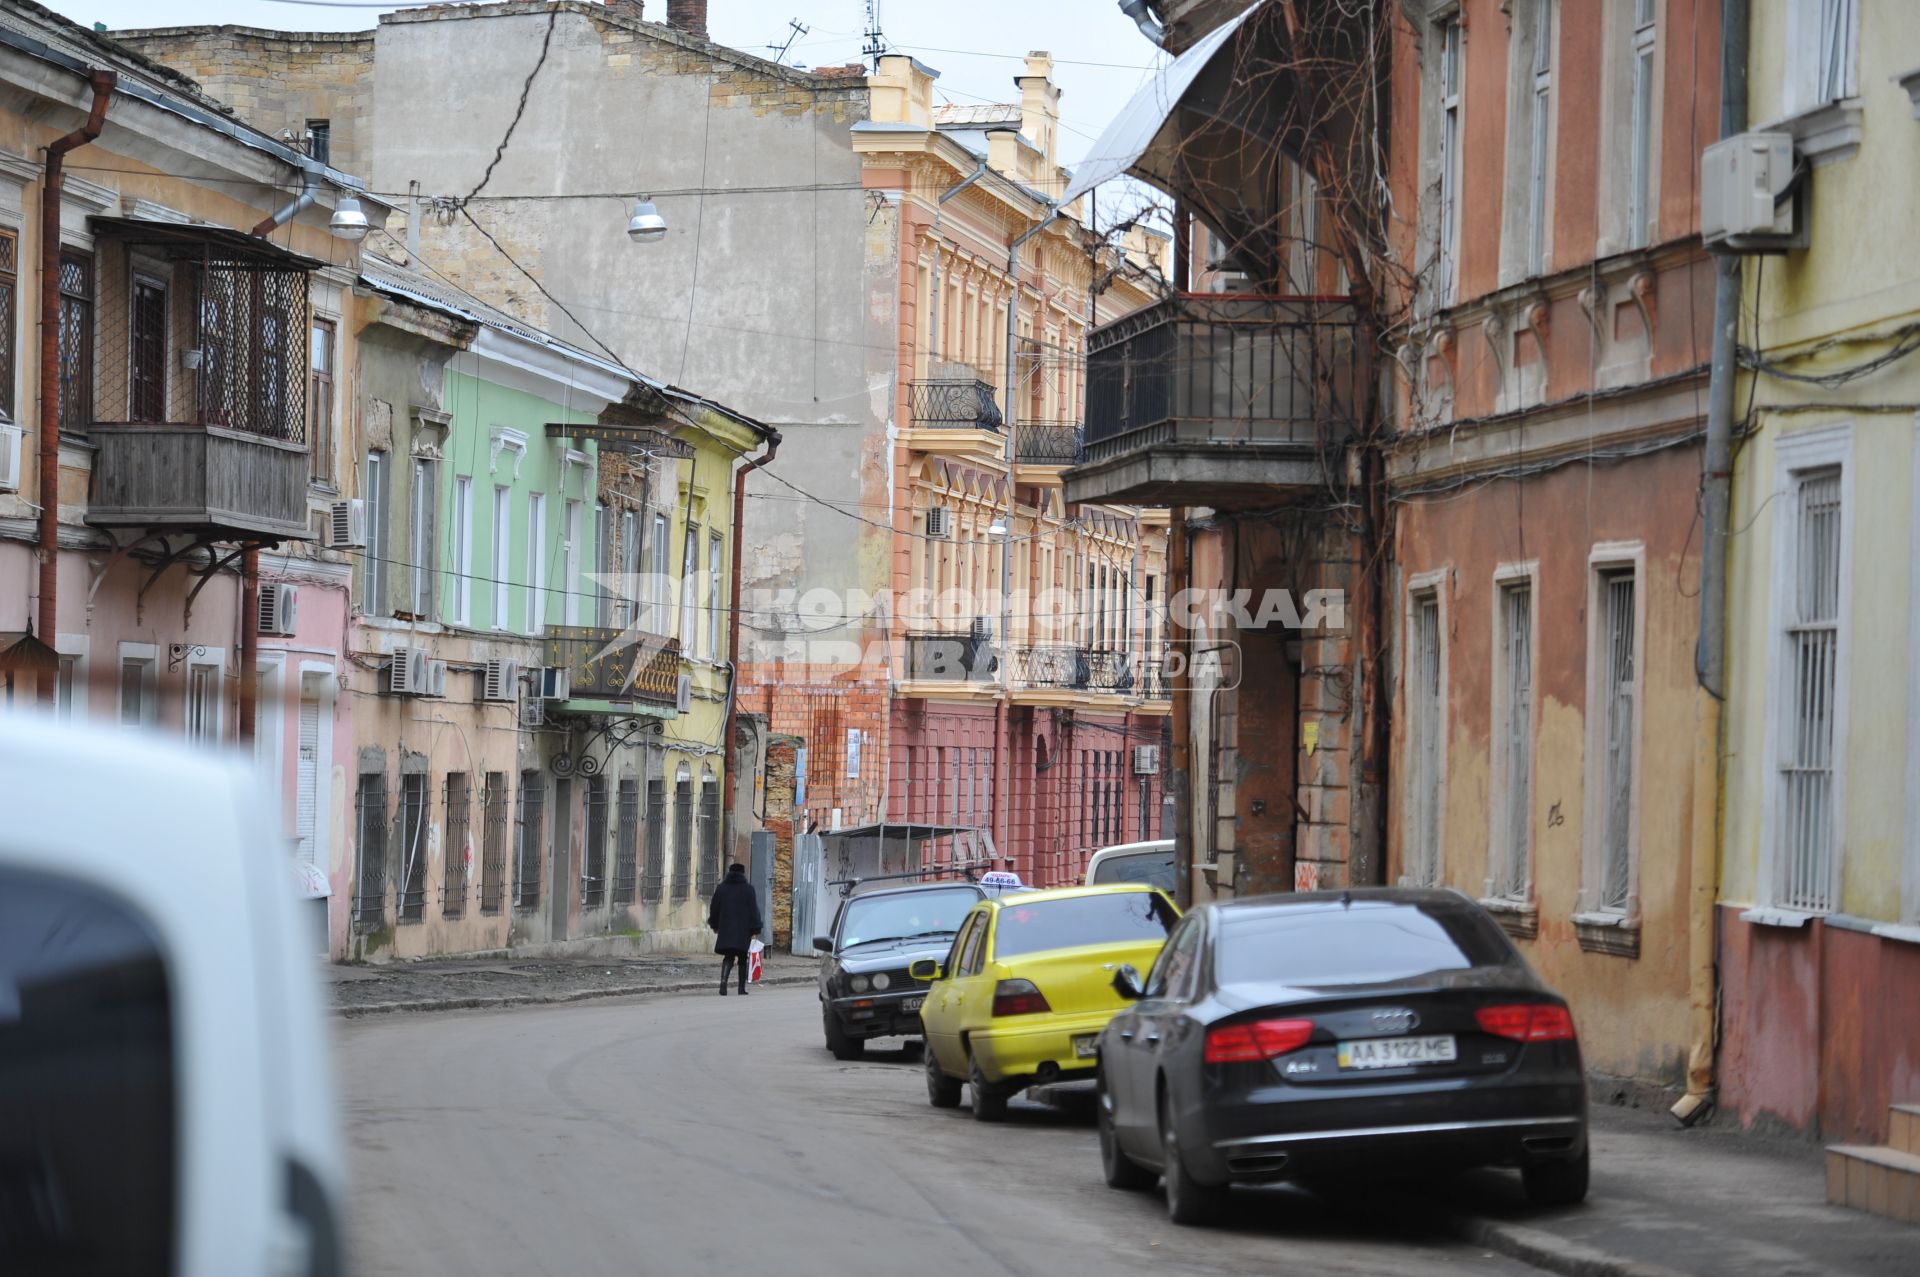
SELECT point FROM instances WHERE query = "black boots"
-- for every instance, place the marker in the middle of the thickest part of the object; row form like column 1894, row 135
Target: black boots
column 726, row 974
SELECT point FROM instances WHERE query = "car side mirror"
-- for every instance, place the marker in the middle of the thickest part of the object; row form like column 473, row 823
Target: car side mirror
column 924, row 969
column 823, row 943
column 1126, row 983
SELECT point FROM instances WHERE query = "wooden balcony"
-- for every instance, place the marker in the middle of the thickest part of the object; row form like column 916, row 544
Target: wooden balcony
column 209, row 480
column 1220, row 400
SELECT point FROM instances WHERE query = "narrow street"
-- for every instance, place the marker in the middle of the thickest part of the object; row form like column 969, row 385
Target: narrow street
column 690, row 1134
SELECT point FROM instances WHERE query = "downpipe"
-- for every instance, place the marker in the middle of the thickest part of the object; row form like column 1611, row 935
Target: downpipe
column 309, row 192
column 51, row 188
column 727, row 822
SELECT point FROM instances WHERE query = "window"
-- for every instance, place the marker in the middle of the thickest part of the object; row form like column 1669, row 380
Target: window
column 1171, row 976
column 682, row 833
column 413, row 846
column 320, row 140
column 1810, row 616
column 627, row 593
column 653, row 879
column 536, row 563
column 1448, row 221
column 689, row 608
column 526, row 866
column 660, row 583
column 370, row 818
column 76, row 341
column 1426, row 722
column 602, row 564
column 1507, row 864
column 456, row 848
column 709, row 833
column 1368, row 942
column 1540, row 138
column 1303, row 195
column 139, row 689
column 463, row 550
column 626, row 845
column 716, row 626
column 1134, row 917
column 570, row 564
column 147, row 351
column 424, row 547
column 1822, row 62
column 920, row 913
column 373, row 567
column 1640, row 176
column 320, row 361
column 501, row 565
column 1613, row 728
column 493, row 843
column 593, row 865
column 9, row 303
column 68, row 691
column 203, row 702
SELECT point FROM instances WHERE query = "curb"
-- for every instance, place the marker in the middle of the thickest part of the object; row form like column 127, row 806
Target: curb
column 541, row 999
column 1541, row 1249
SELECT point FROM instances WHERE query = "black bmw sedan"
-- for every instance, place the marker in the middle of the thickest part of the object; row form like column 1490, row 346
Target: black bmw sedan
column 1380, row 1031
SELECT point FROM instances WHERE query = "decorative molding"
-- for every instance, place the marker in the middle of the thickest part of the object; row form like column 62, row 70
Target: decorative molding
column 148, row 211
column 90, row 195
column 17, row 168
column 1909, row 82
column 505, row 437
column 1825, row 133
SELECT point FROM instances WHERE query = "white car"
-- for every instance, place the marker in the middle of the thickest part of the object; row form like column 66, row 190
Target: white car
column 1148, row 862
column 166, row 1101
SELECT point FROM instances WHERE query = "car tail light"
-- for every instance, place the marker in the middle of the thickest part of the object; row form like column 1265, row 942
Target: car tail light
column 1261, row 1040
column 1527, row 1022
column 1018, row 997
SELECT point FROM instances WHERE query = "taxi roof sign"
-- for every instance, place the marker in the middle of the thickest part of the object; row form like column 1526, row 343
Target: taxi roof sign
column 1000, row 878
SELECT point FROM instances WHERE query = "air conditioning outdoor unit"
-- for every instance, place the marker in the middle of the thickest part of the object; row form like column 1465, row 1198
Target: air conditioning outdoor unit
column 1146, row 760
column 981, row 631
column 554, row 683
column 278, row 607
column 436, row 679
column 501, row 681
column 407, row 673
column 1749, row 188
column 939, row 522
column 683, row 694
column 347, row 525
column 9, row 458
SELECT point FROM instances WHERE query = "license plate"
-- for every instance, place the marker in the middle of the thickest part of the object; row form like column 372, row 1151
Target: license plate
column 911, row 1004
column 1086, row 1045
column 1394, row 1053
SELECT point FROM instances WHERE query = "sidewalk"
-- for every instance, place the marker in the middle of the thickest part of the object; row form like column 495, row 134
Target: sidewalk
column 505, row 981
column 1707, row 1202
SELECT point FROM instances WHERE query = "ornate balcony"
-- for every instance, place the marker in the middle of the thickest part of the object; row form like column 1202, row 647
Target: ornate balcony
column 1046, row 443
column 1219, row 400
column 613, row 669
column 1068, row 668
column 955, row 403
column 954, row 656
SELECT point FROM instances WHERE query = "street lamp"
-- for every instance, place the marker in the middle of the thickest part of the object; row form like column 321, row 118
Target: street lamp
column 646, row 225
column 349, row 220
column 998, row 528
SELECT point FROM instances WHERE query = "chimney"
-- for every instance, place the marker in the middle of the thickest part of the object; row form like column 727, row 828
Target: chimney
column 627, row 8
column 689, row 16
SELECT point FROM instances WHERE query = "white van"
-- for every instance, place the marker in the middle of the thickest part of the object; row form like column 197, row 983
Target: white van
column 1150, row 862
column 166, row 1102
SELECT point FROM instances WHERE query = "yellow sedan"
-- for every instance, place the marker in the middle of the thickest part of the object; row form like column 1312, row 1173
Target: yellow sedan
column 1028, row 985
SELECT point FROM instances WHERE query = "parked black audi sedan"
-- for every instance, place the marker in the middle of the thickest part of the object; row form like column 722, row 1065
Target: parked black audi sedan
column 1379, row 1030
column 865, row 991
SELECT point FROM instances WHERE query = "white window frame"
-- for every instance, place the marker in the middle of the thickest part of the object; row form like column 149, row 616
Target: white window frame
column 71, row 700
column 321, row 680
column 572, row 530
column 627, row 593
column 501, row 565
column 149, row 656
column 1507, row 577
column 1540, row 148
column 462, row 549
column 214, row 660
column 1821, row 448
column 423, row 536
column 1820, row 34
column 1420, row 588
column 373, row 576
column 601, row 565
column 716, row 571
column 1643, row 111
column 536, row 562
column 689, row 598
column 660, row 578
column 1603, row 561
column 1452, row 69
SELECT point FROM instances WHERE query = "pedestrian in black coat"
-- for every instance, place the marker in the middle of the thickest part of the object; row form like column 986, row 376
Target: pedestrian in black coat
column 734, row 917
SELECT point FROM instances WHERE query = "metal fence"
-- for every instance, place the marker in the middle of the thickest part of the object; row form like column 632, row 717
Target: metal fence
column 954, row 403
column 1047, row 443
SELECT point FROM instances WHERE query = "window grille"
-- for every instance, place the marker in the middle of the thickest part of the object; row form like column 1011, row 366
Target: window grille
column 1619, row 690
column 454, row 849
column 593, row 863
column 1428, row 716
column 493, row 843
column 626, row 844
column 370, row 817
column 9, row 300
column 1510, row 876
column 531, row 824
column 653, row 882
column 76, row 341
column 1813, row 650
column 412, row 830
column 709, row 835
column 683, row 836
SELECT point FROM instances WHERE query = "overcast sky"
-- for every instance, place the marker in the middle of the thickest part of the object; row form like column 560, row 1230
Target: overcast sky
column 976, row 45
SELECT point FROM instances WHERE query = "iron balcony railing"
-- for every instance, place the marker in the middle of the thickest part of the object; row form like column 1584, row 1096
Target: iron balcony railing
column 955, row 403
column 1047, row 443
column 1231, row 370
column 611, row 664
column 1064, row 666
column 955, row 656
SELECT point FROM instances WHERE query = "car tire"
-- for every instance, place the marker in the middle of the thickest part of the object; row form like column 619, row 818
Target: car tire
column 1557, row 1183
column 943, row 1092
column 839, row 1042
column 989, row 1101
column 1119, row 1170
column 1189, row 1202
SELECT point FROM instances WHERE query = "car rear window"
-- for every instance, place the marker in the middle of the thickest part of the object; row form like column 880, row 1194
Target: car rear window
column 1367, row 942
column 1131, row 917
column 906, row 913
column 1155, row 868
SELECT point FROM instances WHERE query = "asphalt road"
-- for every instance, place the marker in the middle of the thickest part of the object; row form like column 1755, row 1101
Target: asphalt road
column 696, row 1135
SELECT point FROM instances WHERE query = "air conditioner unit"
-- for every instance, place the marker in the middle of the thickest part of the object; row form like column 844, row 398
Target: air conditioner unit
column 981, row 631
column 347, row 525
column 10, row 436
column 278, row 606
column 1749, row 188
column 553, row 683
column 436, row 678
column 683, row 694
column 939, row 522
column 1146, row 760
column 501, row 681
column 407, row 672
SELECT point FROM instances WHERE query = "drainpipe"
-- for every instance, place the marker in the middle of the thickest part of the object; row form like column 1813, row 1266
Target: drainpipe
column 1179, row 771
column 733, row 629
column 50, row 190
column 1143, row 18
column 1710, row 655
column 309, row 191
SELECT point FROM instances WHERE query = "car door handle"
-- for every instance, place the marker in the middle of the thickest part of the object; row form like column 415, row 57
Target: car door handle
column 1153, row 1039
column 1126, row 1035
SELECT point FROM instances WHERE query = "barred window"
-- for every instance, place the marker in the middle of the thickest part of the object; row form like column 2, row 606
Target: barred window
column 9, row 288
column 1426, row 715
column 593, row 864
column 454, row 848
column 1619, row 690
column 370, row 892
column 709, row 833
column 412, row 829
column 76, row 341
column 653, row 881
column 532, row 823
column 682, row 834
column 1508, row 864
column 493, row 844
column 1812, row 633
column 626, row 844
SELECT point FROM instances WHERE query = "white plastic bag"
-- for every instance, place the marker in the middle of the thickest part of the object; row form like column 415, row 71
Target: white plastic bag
column 753, row 961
